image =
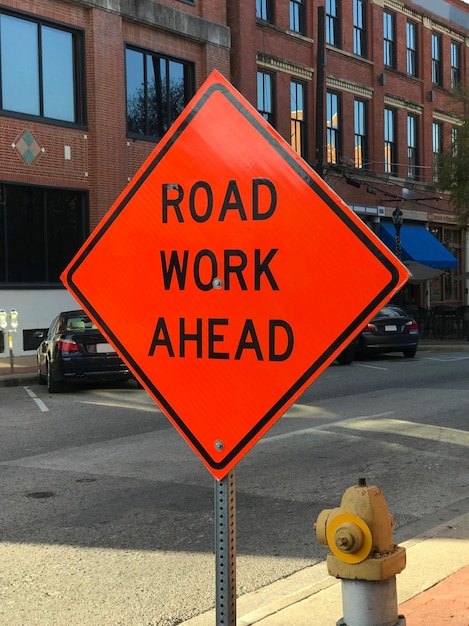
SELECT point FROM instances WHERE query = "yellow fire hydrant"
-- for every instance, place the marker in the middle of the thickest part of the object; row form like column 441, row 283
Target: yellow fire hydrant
column 364, row 556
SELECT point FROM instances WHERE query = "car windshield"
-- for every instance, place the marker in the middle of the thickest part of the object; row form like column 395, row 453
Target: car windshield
column 391, row 311
column 80, row 323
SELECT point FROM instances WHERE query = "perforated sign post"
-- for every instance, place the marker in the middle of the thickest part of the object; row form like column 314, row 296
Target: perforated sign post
column 245, row 273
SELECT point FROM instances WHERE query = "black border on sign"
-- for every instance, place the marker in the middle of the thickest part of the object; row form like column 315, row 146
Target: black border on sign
column 296, row 165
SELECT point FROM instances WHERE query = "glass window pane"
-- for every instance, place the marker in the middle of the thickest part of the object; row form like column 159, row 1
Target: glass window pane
column 20, row 65
column 135, row 85
column 65, row 229
column 25, row 235
column 57, row 72
column 176, row 89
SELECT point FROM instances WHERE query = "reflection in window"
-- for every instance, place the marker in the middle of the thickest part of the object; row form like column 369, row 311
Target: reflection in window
column 41, row 69
column 360, row 122
column 455, row 65
column 158, row 89
column 390, row 151
column 332, row 127
column 411, row 36
column 436, row 59
column 333, row 23
column 359, row 27
column 265, row 10
column 297, row 16
column 298, row 113
column 412, row 146
column 437, row 141
column 265, row 96
column 50, row 224
column 389, row 39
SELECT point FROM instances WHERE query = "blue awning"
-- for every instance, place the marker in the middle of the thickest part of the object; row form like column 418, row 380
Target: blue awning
column 418, row 244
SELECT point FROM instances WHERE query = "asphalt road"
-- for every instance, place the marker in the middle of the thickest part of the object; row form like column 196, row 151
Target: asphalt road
column 107, row 515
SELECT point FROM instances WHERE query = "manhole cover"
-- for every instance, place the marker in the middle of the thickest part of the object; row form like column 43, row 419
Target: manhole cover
column 40, row 494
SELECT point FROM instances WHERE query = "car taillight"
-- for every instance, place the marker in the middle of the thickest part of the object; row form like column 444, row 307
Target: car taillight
column 369, row 328
column 67, row 346
column 412, row 326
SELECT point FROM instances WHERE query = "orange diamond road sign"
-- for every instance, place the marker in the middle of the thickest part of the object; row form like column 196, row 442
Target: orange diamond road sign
column 228, row 275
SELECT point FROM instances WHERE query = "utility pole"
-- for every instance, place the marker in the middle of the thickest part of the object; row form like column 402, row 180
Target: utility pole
column 320, row 91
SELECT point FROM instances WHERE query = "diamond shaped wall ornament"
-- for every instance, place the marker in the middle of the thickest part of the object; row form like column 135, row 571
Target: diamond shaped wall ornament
column 28, row 147
column 228, row 275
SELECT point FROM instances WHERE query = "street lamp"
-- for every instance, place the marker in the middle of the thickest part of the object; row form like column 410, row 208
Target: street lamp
column 398, row 218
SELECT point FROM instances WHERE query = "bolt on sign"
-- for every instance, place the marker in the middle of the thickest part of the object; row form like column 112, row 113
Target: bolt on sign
column 228, row 275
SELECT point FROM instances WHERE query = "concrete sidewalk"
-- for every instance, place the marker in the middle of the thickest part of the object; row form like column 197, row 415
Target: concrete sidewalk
column 432, row 590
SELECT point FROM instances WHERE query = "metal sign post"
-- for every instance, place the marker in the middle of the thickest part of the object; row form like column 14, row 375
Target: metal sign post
column 225, row 549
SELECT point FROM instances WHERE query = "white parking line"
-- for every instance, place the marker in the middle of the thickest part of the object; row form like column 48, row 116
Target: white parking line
column 37, row 400
column 372, row 367
column 445, row 359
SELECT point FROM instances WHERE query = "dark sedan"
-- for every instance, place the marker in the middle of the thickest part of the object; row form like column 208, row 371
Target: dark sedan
column 74, row 350
column 390, row 330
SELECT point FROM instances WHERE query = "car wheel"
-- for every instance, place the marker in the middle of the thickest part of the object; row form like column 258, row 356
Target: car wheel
column 53, row 385
column 346, row 356
column 410, row 353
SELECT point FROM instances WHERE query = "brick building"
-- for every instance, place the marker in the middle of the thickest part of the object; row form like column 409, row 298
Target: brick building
column 87, row 88
column 78, row 117
column 381, row 89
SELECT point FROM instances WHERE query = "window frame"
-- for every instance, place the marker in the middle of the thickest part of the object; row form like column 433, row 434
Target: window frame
column 437, row 146
column 77, row 77
column 167, row 116
column 333, row 130
column 44, row 262
column 455, row 54
column 360, row 47
column 333, row 23
column 267, row 113
column 437, row 77
column 412, row 147
column 389, row 39
column 360, row 129
column 299, row 126
column 265, row 10
column 390, row 141
column 297, row 16
column 412, row 48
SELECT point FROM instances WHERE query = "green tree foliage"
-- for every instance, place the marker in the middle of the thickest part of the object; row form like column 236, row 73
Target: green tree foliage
column 453, row 164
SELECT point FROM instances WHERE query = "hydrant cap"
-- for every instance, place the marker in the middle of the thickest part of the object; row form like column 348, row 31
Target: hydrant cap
column 349, row 538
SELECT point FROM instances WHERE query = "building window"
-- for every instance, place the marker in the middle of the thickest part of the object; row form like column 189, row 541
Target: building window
column 436, row 59
column 447, row 287
column 389, row 36
column 360, row 125
column 412, row 59
column 454, row 141
column 265, row 10
column 42, row 70
column 455, row 65
column 298, row 121
column 437, row 141
column 40, row 231
column 412, row 146
column 359, row 27
column 297, row 16
column 158, row 89
column 265, row 96
column 333, row 23
column 333, row 127
column 390, row 145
